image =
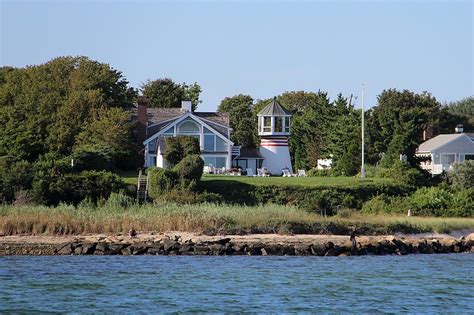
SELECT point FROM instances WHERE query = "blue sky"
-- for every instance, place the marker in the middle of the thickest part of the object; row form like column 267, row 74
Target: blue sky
column 257, row 48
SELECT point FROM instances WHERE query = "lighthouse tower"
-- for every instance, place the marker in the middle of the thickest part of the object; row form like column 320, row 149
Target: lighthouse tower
column 274, row 129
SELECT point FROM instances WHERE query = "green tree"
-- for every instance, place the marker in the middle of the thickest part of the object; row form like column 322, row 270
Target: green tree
column 165, row 93
column 462, row 175
column 396, row 124
column 178, row 148
column 242, row 119
column 43, row 107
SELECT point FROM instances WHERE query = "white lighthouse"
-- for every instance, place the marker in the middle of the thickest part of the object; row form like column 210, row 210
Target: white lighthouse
column 274, row 129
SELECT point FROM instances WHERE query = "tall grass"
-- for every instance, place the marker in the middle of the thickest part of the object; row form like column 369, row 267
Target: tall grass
column 206, row 218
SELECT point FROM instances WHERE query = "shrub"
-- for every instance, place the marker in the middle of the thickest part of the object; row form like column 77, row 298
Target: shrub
column 119, row 200
column 190, row 169
column 15, row 175
column 161, row 181
column 53, row 188
column 462, row 175
column 314, row 172
column 386, row 204
column 92, row 159
column 177, row 148
column 402, row 172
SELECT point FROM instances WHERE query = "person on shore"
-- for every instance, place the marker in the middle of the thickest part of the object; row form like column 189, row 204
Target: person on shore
column 132, row 233
column 353, row 238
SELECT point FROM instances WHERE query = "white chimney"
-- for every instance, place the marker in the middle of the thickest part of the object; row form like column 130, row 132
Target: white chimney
column 459, row 129
column 186, row 106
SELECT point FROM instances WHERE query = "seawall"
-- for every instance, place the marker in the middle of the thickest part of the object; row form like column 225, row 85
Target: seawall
column 255, row 245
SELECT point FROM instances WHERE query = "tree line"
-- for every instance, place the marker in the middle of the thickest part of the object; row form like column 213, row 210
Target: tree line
column 75, row 106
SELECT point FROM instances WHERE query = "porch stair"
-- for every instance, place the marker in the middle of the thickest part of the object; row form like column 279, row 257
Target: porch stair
column 142, row 188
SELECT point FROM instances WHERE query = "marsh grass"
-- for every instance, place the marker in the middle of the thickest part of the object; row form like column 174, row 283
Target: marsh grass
column 207, row 219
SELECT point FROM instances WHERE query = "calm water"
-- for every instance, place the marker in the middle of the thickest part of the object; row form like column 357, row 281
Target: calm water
column 160, row 284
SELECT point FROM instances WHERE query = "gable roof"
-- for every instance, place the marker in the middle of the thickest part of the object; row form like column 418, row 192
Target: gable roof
column 274, row 109
column 222, row 133
column 439, row 141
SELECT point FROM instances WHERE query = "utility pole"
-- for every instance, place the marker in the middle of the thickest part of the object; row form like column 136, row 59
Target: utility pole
column 362, row 169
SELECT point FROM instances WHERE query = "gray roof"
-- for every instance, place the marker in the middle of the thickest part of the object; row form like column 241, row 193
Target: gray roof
column 274, row 109
column 438, row 141
column 161, row 118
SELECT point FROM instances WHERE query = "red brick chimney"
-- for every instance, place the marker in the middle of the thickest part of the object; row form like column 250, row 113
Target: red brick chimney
column 428, row 133
column 142, row 120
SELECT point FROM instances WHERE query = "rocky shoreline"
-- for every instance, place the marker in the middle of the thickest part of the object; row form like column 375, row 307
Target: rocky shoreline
column 254, row 245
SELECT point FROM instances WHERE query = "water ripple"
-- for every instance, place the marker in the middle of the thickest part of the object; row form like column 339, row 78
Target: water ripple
column 154, row 284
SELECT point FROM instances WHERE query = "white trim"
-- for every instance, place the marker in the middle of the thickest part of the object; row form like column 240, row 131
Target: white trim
column 177, row 121
column 211, row 121
column 163, row 121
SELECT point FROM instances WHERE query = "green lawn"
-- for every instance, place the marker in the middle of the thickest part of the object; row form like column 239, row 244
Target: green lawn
column 299, row 181
column 129, row 177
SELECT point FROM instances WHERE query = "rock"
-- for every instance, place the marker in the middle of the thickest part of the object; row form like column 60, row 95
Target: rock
column 318, row 249
column 88, row 248
column 185, row 249
column 138, row 249
column 154, row 250
column 302, row 250
column 127, row 251
column 78, row 250
column 65, row 249
column 216, row 249
column 200, row 249
column 169, row 245
column 114, row 249
column 100, row 248
column 264, row 252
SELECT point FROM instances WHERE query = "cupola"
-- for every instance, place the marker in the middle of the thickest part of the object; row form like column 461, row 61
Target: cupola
column 274, row 120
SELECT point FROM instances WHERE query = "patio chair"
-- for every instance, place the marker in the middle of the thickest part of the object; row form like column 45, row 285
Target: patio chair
column 262, row 172
column 302, row 173
column 286, row 173
column 250, row 172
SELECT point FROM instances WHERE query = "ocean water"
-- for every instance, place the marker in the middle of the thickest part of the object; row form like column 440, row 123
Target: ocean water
column 183, row 284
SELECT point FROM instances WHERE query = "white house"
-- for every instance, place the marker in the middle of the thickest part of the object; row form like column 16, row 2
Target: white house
column 210, row 128
column 213, row 132
column 442, row 151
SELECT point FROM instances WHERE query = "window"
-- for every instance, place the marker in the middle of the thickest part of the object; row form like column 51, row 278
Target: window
column 469, row 157
column 209, row 142
column 287, row 124
column 447, row 159
column 278, row 124
column 221, row 145
column 220, row 161
column 215, row 161
column 267, row 124
column 188, row 126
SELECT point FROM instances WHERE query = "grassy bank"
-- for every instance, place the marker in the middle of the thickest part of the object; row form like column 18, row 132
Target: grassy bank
column 208, row 219
column 341, row 181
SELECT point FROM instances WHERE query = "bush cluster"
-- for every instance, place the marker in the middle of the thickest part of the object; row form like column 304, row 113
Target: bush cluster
column 313, row 199
column 426, row 201
column 50, row 182
column 180, row 180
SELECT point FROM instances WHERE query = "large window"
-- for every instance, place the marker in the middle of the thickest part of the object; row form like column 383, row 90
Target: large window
column 287, row 124
column 213, row 142
column 469, row 157
column 215, row 161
